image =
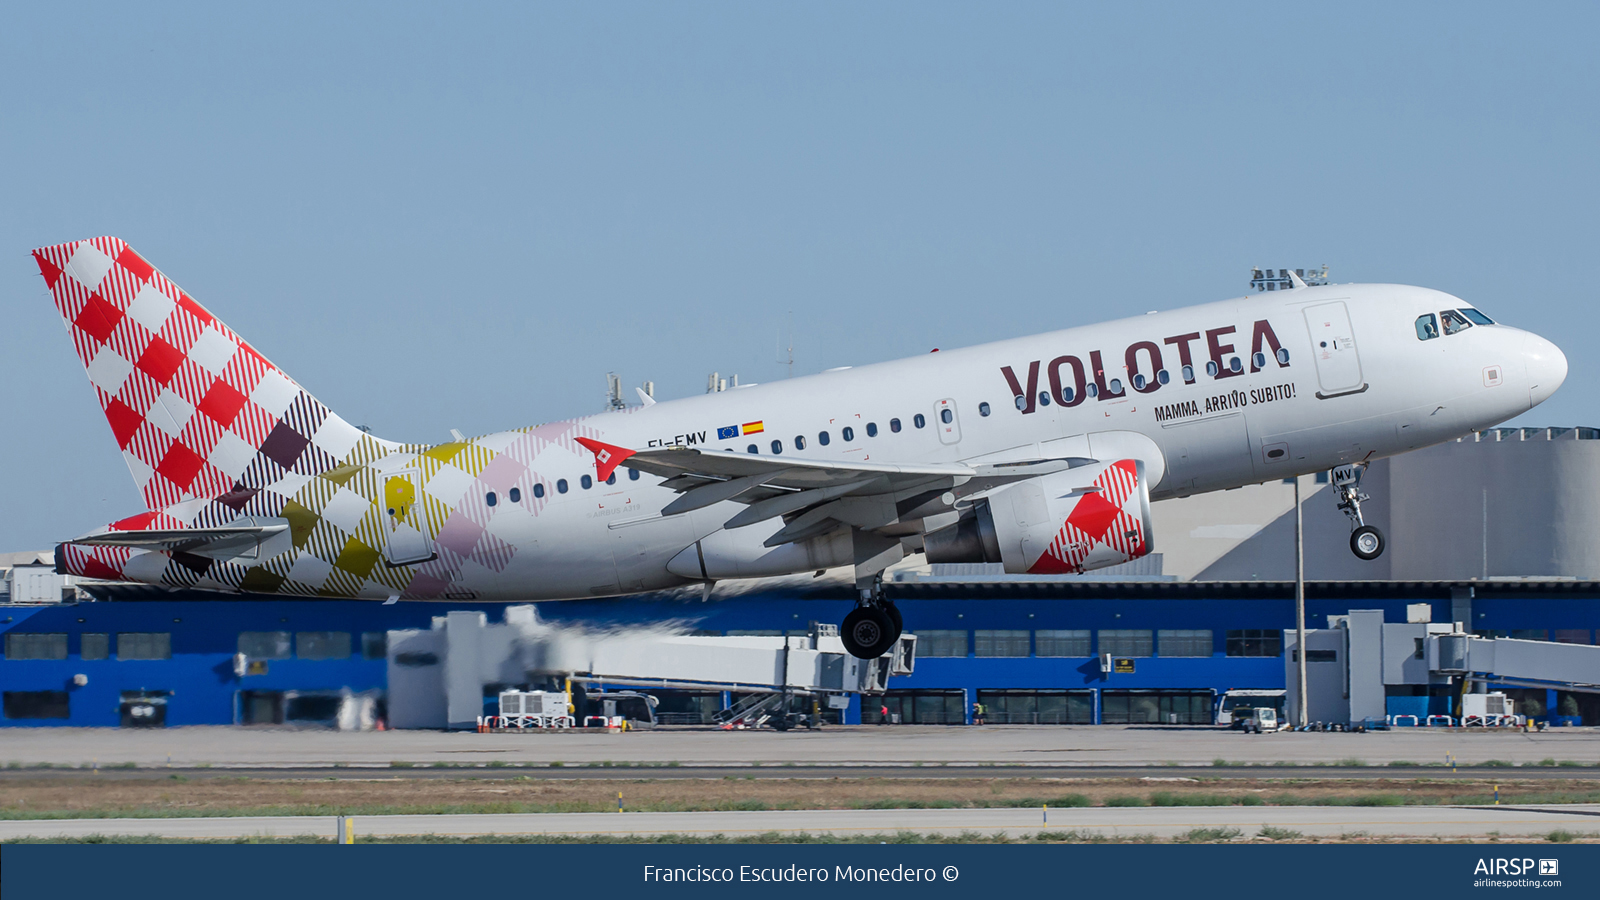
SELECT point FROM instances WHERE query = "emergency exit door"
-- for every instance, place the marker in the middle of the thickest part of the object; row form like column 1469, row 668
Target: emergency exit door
column 406, row 532
column 1333, row 346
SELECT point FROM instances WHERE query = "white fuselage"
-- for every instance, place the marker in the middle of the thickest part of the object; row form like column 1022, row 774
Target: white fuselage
column 1351, row 389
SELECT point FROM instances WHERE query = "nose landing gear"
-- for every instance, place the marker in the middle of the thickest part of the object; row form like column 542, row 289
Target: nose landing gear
column 1366, row 541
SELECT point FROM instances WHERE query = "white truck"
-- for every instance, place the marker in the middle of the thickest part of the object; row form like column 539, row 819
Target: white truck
column 1260, row 720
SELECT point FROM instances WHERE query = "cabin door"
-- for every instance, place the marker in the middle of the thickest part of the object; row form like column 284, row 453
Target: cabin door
column 1333, row 346
column 405, row 527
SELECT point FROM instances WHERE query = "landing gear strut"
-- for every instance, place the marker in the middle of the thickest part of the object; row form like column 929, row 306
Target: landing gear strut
column 1366, row 541
column 873, row 626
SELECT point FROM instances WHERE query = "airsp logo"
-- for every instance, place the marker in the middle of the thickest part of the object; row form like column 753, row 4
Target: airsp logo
column 1502, row 866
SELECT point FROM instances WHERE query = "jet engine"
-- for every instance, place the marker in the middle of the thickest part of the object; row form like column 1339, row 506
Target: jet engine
column 1084, row 518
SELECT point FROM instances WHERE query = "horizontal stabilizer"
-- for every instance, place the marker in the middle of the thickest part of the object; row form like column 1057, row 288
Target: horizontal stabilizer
column 241, row 539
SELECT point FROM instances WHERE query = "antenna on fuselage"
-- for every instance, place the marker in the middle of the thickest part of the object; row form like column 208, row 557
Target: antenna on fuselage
column 1286, row 279
column 787, row 351
column 614, row 392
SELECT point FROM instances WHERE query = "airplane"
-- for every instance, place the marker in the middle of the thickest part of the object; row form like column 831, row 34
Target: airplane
column 1040, row 453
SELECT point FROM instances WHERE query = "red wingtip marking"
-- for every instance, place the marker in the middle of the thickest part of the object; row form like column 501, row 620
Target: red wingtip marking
column 606, row 456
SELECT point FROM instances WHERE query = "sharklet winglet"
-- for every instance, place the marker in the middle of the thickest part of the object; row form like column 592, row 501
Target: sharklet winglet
column 606, row 456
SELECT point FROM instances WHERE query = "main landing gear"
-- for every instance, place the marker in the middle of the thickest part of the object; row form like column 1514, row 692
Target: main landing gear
column 871, row 629
column 1366, row 541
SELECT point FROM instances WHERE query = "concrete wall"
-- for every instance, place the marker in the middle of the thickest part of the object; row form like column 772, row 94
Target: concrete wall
column 1327, row 693
column 1497, row 506
column 1365, row 667
column 1268, row 554
column 1507, row 502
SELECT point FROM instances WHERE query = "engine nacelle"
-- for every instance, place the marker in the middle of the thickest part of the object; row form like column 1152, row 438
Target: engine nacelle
column 1085, row 518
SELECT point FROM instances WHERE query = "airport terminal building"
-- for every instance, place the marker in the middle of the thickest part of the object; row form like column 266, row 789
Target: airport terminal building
column 1499, row 532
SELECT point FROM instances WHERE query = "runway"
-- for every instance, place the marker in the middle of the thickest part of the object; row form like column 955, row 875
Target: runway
column 1423, row 822
column 887, row 771
column 855, row 747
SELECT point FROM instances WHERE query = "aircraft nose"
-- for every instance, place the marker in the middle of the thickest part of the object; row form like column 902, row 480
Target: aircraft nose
column 1547, row 368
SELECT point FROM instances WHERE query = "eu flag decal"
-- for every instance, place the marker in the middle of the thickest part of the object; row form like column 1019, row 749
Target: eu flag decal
column 728, row 433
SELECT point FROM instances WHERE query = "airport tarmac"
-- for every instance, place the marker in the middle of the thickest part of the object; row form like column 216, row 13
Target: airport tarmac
column 1162, row 822
column 787, row 771
column 856, row 747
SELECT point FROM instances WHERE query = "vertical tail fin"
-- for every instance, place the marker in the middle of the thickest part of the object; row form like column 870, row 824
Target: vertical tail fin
column 197, row 411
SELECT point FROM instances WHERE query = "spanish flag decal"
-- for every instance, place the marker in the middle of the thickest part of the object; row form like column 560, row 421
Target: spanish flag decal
column 753, row 428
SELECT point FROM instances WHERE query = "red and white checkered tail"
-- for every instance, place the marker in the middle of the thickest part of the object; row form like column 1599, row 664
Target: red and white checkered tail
column 196, row 410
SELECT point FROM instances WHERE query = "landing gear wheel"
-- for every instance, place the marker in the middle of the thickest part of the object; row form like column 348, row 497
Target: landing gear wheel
column 1367, row 542
column 894, row 617
column 868, row 632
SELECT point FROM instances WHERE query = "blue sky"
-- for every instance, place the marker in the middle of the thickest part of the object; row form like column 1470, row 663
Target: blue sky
column 463, row 216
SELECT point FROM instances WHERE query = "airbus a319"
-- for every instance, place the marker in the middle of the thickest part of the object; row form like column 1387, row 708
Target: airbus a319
column 1040, row 453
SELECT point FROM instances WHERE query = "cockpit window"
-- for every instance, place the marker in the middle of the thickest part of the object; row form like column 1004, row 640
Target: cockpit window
column 1454, row 322
column 1475, row 316
column 1427, row 327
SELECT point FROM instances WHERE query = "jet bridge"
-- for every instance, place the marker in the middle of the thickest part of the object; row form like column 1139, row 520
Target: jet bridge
column 1516, row 663
column 1362, row 670
column 438, row 676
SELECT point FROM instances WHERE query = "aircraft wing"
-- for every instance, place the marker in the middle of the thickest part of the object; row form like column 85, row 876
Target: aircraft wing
column 814, row 496
column 221, row 543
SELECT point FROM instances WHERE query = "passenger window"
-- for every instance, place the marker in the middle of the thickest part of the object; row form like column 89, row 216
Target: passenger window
column 983, row 408
column 1427, row 327
column 1022, row 402
column 587, row 482
column 799, row 442
column 1092, row 389
column 515, row 494
column 1162, row 377
column 1044, row 398
column 822, row 438
column 491, row 499
column 847, row 433
column 1235, row 366
column 946, row 416
column 538, row 490
column 1188, row 374
column 752, row 449
column 918, row 420
column 1476, row 316
column 612, row 478
column 561, row 485
column 1211, row 368
column 894, row 425
column 633, row 474
column 1259, row 360
column 777, row 447
column 1067, row 393
column 872, row 429
column 1138, row 381
column 1454, row 322
column 1283, row 356
column 1115, row 387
